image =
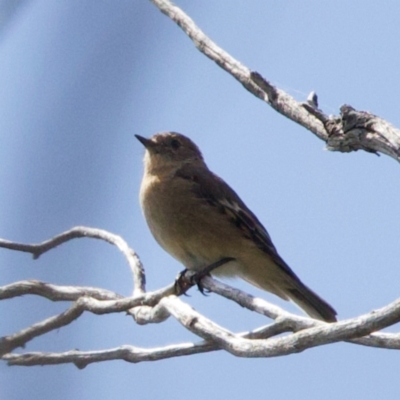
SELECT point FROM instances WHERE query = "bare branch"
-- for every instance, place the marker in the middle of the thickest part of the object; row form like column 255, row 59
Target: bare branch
column 135, row 354
column 287, row 322
column 254, row 83
column 131, row 353
column 369, row 133
column 37, row 250
column 323, row 334
column 54, row 292
column 360, row 130
column 186, row 315
column 155, row 307
column 381, row 340
column 81, row 304
column 128, row 353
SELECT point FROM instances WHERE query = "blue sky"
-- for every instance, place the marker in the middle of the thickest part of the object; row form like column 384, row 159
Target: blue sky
column 79, row 78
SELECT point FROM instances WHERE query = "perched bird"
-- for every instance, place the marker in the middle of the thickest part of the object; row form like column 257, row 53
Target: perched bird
column 197, row 218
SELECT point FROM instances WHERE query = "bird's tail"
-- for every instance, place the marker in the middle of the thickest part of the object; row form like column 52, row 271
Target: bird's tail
column 285, row 284
column 311, row 303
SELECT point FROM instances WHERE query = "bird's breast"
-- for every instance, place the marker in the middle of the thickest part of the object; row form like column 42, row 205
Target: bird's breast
column 186, row 226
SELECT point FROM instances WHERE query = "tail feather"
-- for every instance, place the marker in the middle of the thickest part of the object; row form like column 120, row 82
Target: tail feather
column 280, row 280
column 291, row 288
column 311, row 303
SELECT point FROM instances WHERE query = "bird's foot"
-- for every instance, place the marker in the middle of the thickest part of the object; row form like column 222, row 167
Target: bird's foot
column 184, row 282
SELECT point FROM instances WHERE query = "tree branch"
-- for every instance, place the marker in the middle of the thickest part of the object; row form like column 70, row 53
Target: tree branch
column 139, row 280
column 130, row 353
column 54, row 292
column 351, row 131
column 156, row 306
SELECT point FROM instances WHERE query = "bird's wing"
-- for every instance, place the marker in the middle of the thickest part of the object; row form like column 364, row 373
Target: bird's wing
column 218, row 193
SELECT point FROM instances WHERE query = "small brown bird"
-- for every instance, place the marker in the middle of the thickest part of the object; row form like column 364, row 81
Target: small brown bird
column 197, row 218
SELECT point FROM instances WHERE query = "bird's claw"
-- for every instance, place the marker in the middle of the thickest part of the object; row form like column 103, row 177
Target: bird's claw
column 183, row 282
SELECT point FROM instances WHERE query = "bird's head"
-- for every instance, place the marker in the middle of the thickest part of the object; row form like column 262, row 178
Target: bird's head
column 169, row 150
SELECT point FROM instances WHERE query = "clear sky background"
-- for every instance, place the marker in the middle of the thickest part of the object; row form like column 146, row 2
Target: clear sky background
column 79, row 78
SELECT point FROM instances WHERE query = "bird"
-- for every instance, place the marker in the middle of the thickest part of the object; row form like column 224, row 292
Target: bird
column 200, row 220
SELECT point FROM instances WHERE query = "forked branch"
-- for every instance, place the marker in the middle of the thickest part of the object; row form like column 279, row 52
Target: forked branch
column 156, row 306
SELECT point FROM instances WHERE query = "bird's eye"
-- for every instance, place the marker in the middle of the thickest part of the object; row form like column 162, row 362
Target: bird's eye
column 175, row 144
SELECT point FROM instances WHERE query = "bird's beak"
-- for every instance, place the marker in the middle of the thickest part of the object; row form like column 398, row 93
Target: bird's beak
column 145, row 142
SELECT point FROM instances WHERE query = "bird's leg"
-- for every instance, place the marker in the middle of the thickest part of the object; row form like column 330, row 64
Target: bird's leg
column 198, row 276
column 183, row 283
